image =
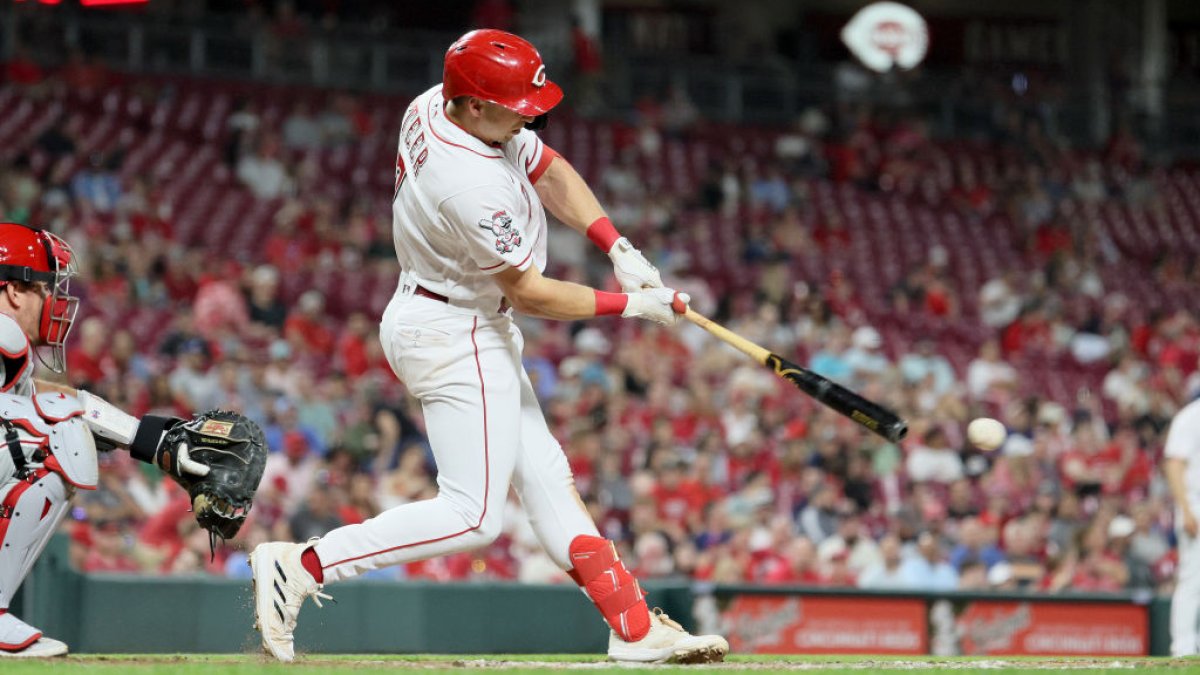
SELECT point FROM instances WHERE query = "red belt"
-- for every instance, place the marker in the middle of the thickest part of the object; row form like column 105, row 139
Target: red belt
column 421, row 290
column 425, row 292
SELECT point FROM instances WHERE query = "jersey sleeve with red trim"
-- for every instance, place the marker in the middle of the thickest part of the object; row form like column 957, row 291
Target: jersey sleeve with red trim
column 492, row 226
column 527, row 151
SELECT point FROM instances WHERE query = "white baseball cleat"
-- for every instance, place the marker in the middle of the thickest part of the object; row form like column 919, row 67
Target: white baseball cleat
column 668, row 642
column 41, row 648
column 19, row 640
column 280, row 586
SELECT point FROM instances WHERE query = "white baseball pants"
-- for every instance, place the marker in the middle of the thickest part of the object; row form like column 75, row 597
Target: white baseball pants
column 1185, row 602
column 487, row 431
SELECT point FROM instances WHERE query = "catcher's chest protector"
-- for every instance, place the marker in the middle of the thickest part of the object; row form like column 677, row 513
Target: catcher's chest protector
column 50, row 432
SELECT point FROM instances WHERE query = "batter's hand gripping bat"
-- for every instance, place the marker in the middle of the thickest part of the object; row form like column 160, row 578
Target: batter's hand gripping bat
column 873, row 416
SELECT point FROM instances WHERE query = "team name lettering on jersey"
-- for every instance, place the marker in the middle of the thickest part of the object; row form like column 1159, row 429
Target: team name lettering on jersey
column 413, row 139
column 501, row 225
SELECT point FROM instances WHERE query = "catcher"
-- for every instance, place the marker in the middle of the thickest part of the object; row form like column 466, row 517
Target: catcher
column 51, row 433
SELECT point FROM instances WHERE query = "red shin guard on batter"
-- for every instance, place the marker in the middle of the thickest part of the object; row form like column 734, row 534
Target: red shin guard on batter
column 602, row 575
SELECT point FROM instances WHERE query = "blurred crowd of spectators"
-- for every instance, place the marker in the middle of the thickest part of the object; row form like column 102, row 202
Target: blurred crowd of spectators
column 698, row 463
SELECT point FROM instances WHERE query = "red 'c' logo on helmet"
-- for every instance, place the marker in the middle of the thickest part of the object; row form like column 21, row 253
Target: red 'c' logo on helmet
column 539, row 76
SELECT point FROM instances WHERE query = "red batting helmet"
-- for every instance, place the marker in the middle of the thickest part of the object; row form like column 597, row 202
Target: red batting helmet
column 502, row 68
column 31, row 255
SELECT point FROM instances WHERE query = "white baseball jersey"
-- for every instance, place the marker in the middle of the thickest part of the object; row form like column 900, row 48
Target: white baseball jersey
column 1183, row 442
column 463, row 209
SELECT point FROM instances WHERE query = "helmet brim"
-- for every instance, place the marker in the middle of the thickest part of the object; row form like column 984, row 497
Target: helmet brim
column 539, row 102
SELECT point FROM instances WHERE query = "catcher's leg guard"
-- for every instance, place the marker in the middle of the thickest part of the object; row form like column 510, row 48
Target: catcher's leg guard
column 30, row 511
column 603, row 577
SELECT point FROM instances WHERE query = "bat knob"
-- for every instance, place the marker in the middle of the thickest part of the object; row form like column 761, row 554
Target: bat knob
column 680, row 303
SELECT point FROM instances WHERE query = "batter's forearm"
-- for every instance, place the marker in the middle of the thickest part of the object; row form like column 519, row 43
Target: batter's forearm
column 567, row 196
column 560, row 300
column 1174, row 470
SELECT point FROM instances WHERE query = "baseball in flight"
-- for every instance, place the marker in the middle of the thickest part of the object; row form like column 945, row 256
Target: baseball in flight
column 986, row 433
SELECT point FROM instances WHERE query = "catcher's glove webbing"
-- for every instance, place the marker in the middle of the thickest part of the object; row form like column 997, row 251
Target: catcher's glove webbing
column 234, row 449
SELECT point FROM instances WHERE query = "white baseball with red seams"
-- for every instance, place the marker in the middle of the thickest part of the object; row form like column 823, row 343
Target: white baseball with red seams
column 464, row 210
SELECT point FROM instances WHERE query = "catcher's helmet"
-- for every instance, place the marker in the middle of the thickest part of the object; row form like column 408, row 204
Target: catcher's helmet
column 502, row 68
column 29, row 255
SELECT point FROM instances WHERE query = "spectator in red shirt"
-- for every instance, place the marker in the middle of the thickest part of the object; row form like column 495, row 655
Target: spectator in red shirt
column 940, row 299
column 108, row 552
column 352, row 347
column 1051, row 239
column 360, row 503
column 86, row 360
column 23, row 71
column 588, row 65
column 496, row 14
column 1130, row 467
column 306, row 326
column 679, row 498
column 1031, row 330
column 1086, row 464
column 219, row 306
column 801, row 556
column 290, row 245
column 160, row 532
column 83, row 74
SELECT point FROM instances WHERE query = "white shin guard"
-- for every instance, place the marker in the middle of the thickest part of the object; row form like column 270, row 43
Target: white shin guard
column 29, row 515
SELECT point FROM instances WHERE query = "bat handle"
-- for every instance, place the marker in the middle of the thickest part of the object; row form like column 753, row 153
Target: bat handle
column 727, row 336
column 679, row 305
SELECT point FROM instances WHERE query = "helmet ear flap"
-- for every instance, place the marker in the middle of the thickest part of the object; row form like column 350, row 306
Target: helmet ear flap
column 539, row 122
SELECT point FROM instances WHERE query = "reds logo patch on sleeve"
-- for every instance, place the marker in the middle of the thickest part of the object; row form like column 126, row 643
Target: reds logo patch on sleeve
column 501, row 225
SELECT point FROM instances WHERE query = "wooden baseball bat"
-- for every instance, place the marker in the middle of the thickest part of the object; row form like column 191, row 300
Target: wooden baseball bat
column 869, row 414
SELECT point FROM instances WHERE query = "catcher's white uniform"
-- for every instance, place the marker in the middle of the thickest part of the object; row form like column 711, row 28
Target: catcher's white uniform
column 463, row 211
column 46, row 452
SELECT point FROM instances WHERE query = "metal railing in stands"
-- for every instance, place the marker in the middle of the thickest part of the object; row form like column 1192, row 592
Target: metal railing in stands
column 772, row 92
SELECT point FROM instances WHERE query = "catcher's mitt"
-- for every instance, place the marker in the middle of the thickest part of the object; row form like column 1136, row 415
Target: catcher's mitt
column 235, row 450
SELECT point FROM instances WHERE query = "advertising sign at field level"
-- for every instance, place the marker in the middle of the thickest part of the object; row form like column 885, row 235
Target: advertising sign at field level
column 1049, row 628
column 825, row 625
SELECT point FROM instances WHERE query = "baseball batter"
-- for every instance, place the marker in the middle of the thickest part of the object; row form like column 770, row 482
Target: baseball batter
column 470, row 234
column 49, row 431
column 1182, row 469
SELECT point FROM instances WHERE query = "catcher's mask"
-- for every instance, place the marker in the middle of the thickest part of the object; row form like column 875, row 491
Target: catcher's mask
column 31, row 255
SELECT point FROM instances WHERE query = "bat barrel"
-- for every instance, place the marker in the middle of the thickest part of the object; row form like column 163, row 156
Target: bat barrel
column 896, row 431
column 872, row 416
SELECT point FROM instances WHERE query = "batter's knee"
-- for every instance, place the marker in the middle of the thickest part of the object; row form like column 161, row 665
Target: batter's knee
column 489, row 528
column 481, row 525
